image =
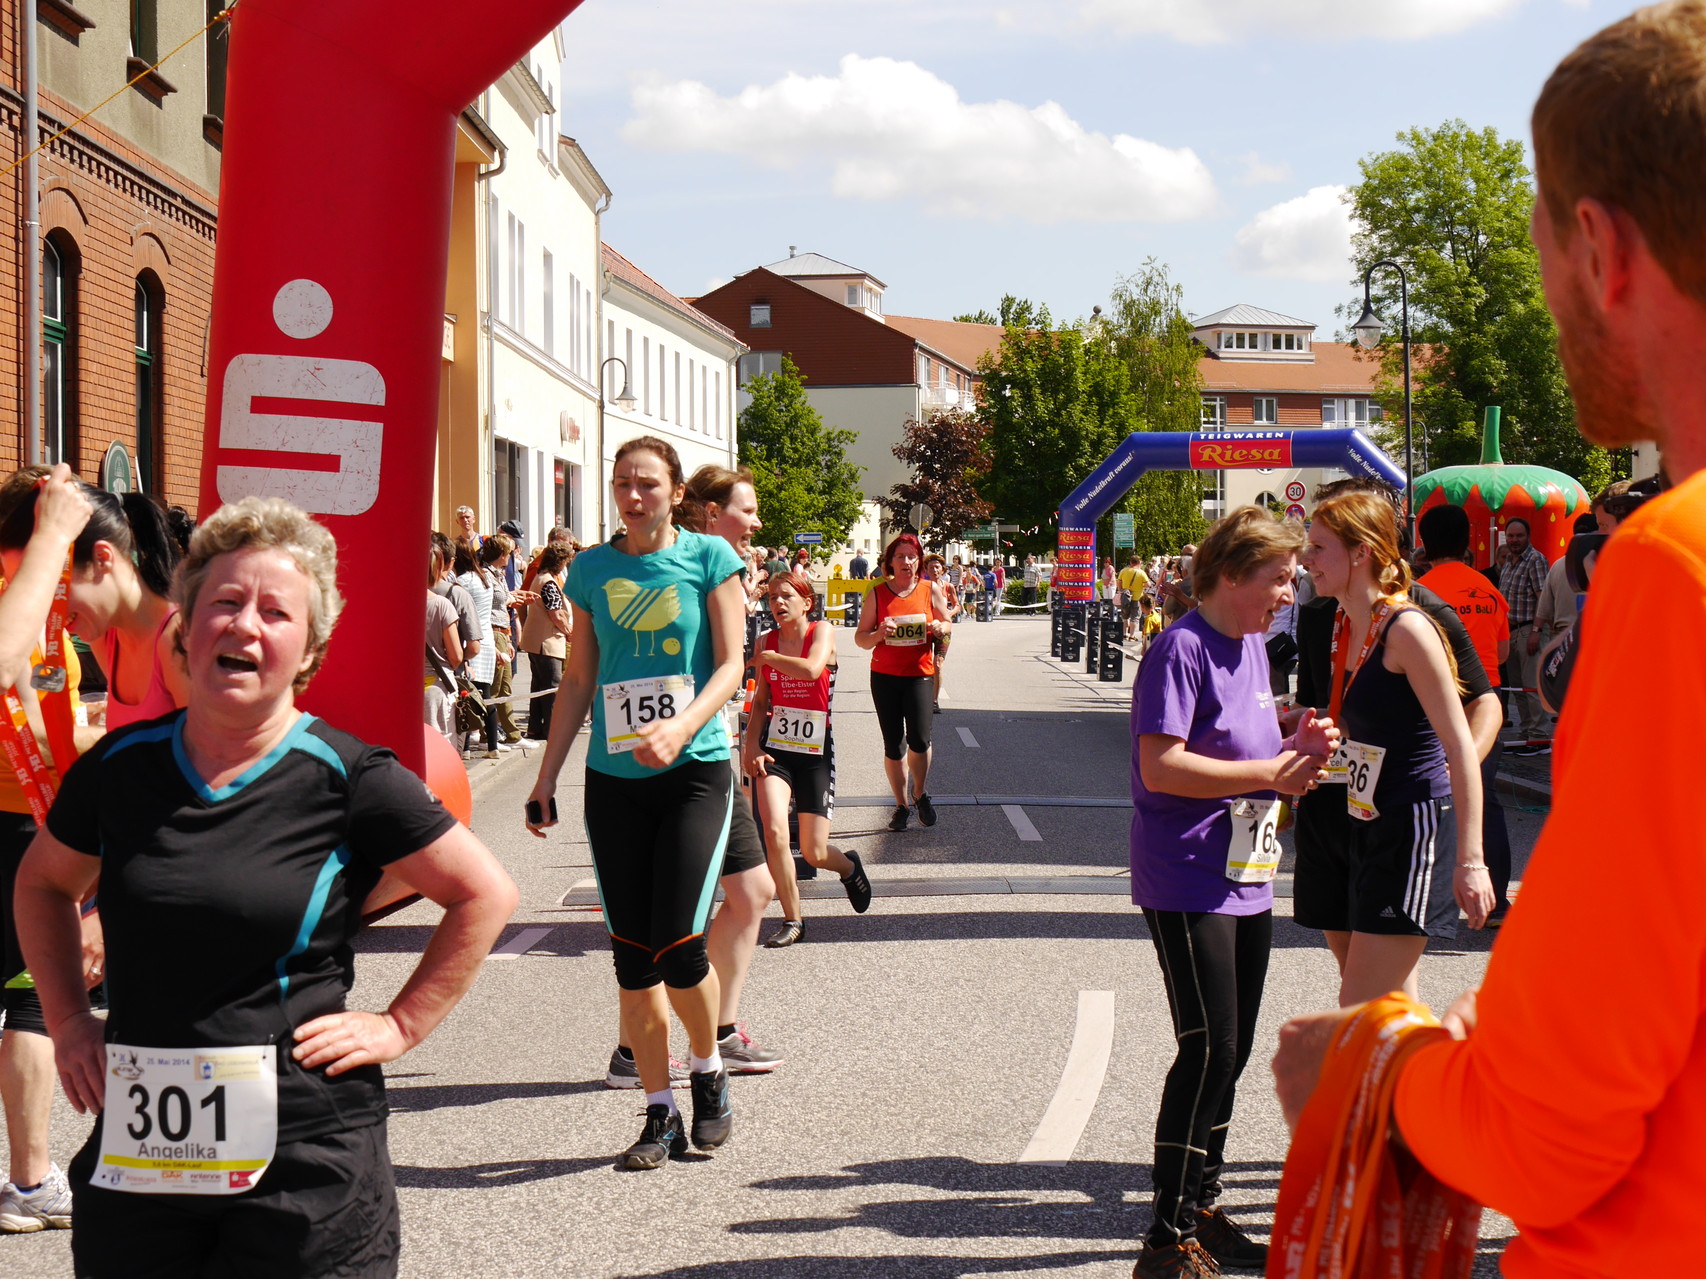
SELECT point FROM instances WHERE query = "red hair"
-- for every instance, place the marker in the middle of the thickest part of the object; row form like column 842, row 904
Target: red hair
column 893, row 548
column 801, row 584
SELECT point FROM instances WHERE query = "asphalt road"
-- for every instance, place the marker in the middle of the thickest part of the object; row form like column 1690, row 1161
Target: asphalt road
column 925, row 1039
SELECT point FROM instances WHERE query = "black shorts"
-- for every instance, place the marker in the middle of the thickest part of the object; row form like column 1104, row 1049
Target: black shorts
column 1321, row 882
column 902, row 704
column 810, row 777
column 18, row 999
column 1402, row 867
column 746, row 846
column 325, row 1207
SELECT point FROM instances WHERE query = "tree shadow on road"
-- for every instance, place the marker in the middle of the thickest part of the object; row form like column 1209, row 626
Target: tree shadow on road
column 495, row 1176
column 1123, row 923
column 423, row 1097
column 911, row 1266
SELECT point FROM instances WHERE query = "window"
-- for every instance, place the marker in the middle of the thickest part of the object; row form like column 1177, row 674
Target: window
column 760, row 317
column 608, row 372
column 218, row 55
column 59, row 356
column 574, row 324
column 548, row 300
column 752, row 364
column 1265, row 411
column 628, row 360
column 677, row 414
column 518, row 275
column 560, row 493
column 690, row 418
column 705, row 399
column 855, row 295
column 663, row 384
column 717, row 395
column 589, row 327
column 1288, row 341
column 545, row 125
column 646, row 376
column 1355, row 413
column 144, row 31
column 509, row 473
column 1213, row 412
column 149, row 304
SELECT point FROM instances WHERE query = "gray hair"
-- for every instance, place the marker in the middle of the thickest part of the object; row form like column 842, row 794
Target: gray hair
column 267, row 523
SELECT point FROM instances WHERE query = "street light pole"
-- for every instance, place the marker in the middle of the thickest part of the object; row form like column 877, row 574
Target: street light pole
column 625, row 401
column 1368, row 330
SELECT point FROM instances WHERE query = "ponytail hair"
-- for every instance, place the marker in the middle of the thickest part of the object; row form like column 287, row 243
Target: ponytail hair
column 1360, row 518
column 709, row 484
column 133, row 524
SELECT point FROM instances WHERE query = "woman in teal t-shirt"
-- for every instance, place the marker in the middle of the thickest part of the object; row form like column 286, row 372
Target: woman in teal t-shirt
column 656, row 650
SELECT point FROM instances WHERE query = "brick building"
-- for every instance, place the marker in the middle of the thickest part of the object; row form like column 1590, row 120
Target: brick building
column 865, row 371
column 1262, row 369
column 128, row 216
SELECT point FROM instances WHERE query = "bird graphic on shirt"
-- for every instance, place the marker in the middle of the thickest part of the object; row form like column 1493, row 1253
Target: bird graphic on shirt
column 642, row 608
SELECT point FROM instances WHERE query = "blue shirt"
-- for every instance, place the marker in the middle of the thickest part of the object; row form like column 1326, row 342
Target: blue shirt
column 649, row 614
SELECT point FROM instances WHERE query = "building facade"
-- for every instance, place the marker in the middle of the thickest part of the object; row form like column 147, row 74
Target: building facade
column 129, row 210
column 1261, row 369
column 865, row 371
column 679, row 364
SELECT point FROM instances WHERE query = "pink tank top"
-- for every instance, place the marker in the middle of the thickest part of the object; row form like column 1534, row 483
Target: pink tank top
column 157, row 701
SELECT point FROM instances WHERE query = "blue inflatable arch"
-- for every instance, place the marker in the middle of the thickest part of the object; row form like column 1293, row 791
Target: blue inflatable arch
column 1145, row 451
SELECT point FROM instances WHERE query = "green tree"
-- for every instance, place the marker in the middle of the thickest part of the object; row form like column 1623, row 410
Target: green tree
column 800, row 471
column 1151, row 337
column 1451, row 205
column 949, row 454
column 1055, row 405
column 979, row 316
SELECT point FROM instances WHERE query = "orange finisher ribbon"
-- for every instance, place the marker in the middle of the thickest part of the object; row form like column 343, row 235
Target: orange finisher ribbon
column 1351, row 1205
column 49, row 678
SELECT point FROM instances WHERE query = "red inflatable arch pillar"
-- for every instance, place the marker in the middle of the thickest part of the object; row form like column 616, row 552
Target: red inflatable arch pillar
column 328, row 300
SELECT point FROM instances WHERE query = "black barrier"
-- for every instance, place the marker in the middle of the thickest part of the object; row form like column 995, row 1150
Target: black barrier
column 1072, row 633
column 1092, row 637
column 1054, row 633
column 983, row 607
column 1113, row 656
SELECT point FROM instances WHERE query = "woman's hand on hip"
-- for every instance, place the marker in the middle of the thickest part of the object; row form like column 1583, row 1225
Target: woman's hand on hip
column 343, row 1041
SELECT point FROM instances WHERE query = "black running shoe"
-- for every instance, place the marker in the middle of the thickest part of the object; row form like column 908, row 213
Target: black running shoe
column 713, row 1114
column 898, row 821
column 791, row 931
column 926, row 810
column 1227, row 1244
column 662, row 1138
column 857, row 884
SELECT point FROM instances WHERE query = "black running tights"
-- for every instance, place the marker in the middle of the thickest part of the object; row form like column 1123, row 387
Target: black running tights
column 1214, row 967
column 903, row 711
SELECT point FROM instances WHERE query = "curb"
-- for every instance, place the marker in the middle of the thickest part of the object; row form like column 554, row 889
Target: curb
column 1523, row 788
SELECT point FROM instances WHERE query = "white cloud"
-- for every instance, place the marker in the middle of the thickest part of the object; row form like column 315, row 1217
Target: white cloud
column 1308, row 238
column 1258, row 170
column 1216, row 21
column 891, row 130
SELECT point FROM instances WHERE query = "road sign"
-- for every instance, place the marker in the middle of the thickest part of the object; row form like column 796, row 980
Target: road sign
column 807, row 539
column 921, row 516
column 1125, row 531
column 1295, row 511
column 1294, row 491
column 980, row 533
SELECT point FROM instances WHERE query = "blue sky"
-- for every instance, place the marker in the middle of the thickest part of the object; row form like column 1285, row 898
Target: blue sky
column 961, row 150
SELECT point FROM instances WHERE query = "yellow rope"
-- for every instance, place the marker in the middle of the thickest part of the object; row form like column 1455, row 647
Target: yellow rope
column 222, row 16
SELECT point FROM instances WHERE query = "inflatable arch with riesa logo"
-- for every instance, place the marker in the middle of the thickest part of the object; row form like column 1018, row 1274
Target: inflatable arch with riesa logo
column 328, row 302
column 1145, row 451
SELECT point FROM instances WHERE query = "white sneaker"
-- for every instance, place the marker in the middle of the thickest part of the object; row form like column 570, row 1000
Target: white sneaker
column 530, row 743
column 504, row 748
column 491, row 755
column 47, row 1207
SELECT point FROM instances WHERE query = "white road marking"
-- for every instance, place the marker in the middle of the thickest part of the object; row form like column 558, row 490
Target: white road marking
column 1021, row 824
column 521, row 943
column 967, row 738
column 1068, row 1114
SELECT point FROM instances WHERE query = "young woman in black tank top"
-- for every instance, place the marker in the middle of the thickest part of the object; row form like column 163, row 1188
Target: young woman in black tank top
column 1412, row 777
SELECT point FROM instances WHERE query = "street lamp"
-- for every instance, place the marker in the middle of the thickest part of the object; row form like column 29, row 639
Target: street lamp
column 626, row 402
column 1368, row 329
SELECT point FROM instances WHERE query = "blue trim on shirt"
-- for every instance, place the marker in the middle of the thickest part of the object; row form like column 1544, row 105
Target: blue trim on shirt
column 290, row 741
column 334, row 864
column 158, row 733
column 320, row 750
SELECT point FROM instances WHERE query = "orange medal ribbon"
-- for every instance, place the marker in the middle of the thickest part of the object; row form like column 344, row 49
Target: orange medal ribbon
column 1350, row 1205
column 1341, row 628
column 40, row 781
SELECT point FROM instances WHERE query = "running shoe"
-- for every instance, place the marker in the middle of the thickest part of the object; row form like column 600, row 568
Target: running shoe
column 926, row 810
column 1171, row 1261
column 1530, row 749
column 47, row 1207
column 743, row 1057
column 857, row 884
column 713, row 1114
column 1227, row 1244
column 791, row 931
column 662, row 1138
column 898, row 821
column 623, row 1073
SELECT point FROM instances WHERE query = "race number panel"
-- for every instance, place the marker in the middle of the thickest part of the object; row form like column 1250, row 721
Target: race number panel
column 801, row 731
column 1361, row 777
column 910, row 629
column 188, row 1121
column 1253, row 848
column 630, row 706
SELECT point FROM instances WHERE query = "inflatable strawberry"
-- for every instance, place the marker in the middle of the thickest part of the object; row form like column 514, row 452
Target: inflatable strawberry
column 1495, row 492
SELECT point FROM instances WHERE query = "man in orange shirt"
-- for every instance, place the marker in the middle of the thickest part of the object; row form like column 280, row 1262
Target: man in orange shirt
column 1444, row 532
column 1576, row 1104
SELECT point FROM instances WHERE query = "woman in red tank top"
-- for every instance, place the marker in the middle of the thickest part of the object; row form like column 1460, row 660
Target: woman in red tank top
column 902, row 616
column 789, row 749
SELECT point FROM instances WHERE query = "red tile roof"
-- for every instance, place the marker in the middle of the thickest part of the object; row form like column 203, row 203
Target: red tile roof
column 964, row 344
column 1339, row 368
column 631, row 275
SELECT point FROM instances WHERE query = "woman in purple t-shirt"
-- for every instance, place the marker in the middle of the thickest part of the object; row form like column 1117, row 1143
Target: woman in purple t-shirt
column 1207, row 768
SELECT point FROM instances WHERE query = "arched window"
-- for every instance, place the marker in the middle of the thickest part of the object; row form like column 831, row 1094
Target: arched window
column 150, row 302
column 59, row 348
